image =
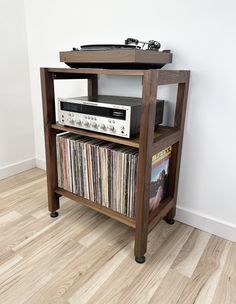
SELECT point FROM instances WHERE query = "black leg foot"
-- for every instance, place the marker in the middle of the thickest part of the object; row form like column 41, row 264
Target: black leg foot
column 140, row 259
column 170, row 221
column 54, row 214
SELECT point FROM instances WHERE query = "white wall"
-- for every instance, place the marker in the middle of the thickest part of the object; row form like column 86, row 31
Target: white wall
column 201, row 35
column 16, row 123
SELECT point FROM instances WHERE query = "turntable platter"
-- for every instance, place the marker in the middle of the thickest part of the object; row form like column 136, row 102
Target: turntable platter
column 105, row 47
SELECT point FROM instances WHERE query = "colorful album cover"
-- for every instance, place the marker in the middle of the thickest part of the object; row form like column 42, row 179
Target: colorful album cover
column 159, row 178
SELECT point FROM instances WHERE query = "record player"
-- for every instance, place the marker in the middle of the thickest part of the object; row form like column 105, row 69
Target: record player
column 118, row 56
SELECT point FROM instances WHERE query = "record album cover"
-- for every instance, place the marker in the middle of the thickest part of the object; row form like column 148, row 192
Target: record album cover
column 159, row 178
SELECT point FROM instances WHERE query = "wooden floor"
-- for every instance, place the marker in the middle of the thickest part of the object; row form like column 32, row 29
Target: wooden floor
column 84, row 257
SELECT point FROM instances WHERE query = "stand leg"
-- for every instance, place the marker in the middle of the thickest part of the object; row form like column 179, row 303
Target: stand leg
column 93, row 86
column 177, row 148
column 150, row 83
column 47, row 85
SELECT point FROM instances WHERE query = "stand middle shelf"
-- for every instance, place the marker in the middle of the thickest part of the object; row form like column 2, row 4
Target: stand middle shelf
column 163, row 136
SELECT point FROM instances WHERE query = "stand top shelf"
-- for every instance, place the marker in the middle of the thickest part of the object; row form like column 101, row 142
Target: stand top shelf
column 164, row 76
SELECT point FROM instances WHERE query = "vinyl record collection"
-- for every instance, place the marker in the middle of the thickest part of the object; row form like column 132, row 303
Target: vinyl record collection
column 98, row 170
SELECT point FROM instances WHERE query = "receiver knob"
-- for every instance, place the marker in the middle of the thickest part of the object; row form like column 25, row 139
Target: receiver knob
column 94, row 125
column 111, row 128
column 102, row 126
column 79, row 122
column 86, row 123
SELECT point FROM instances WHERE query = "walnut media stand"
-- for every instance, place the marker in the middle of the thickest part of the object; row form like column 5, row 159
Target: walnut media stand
column 149, row 142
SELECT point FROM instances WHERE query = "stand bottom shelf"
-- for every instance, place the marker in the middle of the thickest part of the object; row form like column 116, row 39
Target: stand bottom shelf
column 161, row 212
column 106, row 211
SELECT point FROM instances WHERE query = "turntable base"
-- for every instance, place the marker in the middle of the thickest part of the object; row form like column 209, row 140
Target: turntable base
column 123, row 58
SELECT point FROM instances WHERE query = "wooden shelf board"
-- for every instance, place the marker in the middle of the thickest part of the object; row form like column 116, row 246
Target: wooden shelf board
column 106, row 211
column 164, row 207
column 163, row 137
column 96, row 71
column 134, row 142
column 165, row 77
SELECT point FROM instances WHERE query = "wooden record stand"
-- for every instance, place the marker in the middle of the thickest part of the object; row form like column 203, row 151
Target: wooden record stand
column 149, row 142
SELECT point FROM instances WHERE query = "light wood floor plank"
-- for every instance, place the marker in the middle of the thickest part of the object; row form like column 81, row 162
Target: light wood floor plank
column 226, row 288
column 9, row 217
column 71, row 226
column 10, row 263
column 93, row 235
column 191, row 252
column 6, row 253
column 35, row 272
column 87, row 291
column 202, row 285
column 170, row 288
column 24, row 189
column 20, row 179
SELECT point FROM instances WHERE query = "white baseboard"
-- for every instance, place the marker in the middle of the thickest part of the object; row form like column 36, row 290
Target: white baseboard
column 40, row 163
column 209, row 224
column 17, row 168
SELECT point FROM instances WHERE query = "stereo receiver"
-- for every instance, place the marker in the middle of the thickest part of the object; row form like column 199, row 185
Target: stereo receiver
column 113, row 115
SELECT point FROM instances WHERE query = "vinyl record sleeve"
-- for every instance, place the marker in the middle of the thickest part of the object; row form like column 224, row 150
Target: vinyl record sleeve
column 159, row 179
